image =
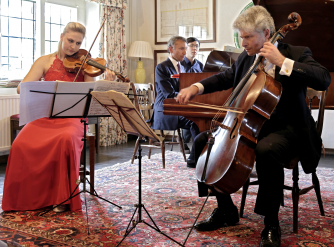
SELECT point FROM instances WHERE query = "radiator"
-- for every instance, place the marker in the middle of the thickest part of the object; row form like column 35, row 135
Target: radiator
column 9, row 105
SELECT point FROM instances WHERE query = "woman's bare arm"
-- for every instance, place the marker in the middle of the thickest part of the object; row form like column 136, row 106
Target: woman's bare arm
column 36, row 71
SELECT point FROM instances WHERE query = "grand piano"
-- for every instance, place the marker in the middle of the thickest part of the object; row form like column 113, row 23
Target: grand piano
column 316, row 32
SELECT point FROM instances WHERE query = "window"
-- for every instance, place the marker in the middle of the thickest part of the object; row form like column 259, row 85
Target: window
column 56, row 18
column 19, row 43
column 18, row 37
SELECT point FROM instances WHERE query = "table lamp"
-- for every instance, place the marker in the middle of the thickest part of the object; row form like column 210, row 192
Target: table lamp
column 141, row 49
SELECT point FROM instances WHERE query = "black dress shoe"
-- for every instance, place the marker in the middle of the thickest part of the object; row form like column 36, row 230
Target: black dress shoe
column 271, row 236
column 217, row 220
column 191, row 163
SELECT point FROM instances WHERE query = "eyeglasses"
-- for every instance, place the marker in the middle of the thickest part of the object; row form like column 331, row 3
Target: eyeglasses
column 194, row 46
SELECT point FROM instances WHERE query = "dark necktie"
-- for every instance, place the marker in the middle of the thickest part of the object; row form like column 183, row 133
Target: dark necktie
column 179, row 68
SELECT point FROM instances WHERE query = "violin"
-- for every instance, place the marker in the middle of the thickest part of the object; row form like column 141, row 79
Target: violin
column 92, row 66
column 229, row 157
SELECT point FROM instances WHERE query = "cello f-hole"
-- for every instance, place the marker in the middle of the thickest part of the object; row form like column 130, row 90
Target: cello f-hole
column 232, row 135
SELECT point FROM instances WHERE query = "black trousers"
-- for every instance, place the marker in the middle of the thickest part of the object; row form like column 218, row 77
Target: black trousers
column 186, row 135
column 188, row 125
column 276, row 146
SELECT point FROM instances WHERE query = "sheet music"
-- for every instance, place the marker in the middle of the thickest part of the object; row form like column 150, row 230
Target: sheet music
column 102, row 85
column 130, row 120
column 35, row 105
column 64, row 101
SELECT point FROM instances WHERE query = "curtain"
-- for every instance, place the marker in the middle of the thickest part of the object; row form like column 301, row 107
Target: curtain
column 112, row 3
column 112, row 47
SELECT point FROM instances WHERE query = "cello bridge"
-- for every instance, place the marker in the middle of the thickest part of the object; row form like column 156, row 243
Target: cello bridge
column 216, row 123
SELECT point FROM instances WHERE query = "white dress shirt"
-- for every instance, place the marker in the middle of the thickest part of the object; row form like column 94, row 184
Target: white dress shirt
column 269, row 68
column 174, row 62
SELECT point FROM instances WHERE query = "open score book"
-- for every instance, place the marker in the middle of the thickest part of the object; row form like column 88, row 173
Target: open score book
column 40, row 99
column 125, row 113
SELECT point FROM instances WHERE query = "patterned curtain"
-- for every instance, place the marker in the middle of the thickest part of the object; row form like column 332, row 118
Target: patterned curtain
column 111, row 3
column 113, row 47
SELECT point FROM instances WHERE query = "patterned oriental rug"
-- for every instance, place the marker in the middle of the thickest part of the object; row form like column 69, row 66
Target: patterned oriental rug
column 170, row 197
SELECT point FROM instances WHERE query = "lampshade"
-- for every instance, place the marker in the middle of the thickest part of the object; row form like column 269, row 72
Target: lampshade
column 141, row 49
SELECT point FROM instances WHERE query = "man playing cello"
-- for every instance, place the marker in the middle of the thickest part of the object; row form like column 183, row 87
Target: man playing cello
column 289, row 132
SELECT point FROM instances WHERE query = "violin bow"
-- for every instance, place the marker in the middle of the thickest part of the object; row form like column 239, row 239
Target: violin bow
column 105, row 18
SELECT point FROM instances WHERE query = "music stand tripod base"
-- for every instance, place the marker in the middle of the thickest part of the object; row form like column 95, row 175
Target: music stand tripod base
column 84, row 179
column 141, row 206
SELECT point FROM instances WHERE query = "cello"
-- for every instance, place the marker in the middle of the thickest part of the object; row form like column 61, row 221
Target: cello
column 228, row 159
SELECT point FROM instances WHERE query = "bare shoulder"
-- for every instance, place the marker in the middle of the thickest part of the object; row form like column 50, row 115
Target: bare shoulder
column 39, row 68
column 45, row 61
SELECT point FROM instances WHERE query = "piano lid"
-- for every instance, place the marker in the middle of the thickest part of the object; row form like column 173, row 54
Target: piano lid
column 219, row 61
column 316, row 30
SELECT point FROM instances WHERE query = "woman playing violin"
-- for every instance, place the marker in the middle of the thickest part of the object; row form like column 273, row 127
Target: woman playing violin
column 44, row 159
column 70, row 43
column 290, row 132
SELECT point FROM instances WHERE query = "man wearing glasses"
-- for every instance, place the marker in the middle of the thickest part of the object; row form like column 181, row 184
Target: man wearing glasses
column 190, row 63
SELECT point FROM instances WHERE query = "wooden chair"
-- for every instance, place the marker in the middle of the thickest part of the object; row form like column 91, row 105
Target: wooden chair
column 145, row 104
column 293, row 165
column 91, row 140
column 14, row 126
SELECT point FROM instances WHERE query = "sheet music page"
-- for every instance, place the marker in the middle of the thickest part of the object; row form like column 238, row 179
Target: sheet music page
column 133, row 122
column 102, row 85
column 65, row 101
column 35, row 105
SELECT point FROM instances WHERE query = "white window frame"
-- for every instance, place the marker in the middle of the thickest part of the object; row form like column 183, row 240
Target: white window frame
column 40, row 22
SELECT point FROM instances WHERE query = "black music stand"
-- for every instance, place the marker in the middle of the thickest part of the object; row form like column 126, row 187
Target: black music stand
column 84, row 179
column 131, row 121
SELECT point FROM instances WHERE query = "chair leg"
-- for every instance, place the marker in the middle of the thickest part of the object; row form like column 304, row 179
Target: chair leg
column 295, row 197
column 135, row 151
column 316, row 185
column 162, row 145
column 171, row 148
column 181, row 144
column 97, row 136
column 92, row 163
column 243, row 198
column 150, row 149
column 12, row 131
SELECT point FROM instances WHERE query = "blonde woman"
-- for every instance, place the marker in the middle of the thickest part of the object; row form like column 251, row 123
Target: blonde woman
column 44, row 160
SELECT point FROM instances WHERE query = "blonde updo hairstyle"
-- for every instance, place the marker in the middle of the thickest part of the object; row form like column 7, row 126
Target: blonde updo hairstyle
column 74, row 27
column 256, row 18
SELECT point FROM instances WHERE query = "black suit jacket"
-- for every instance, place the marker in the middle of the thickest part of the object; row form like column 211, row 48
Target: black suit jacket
column 291, row 109
column 166, row 87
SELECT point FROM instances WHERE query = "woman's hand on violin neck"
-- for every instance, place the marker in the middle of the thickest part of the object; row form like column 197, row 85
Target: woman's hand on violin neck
column 109, row 75
column 186, row 94
column 272, row 54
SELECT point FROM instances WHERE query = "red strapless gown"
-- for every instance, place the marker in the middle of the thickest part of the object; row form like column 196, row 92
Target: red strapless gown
column 44, row 159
